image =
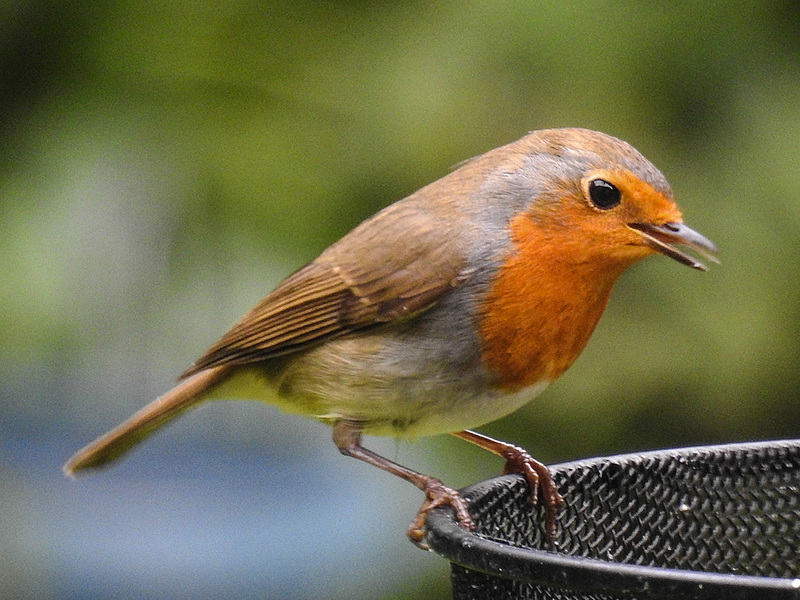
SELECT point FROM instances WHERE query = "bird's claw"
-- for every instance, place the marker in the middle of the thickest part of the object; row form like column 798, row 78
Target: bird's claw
column 541, row 483
column 437, row 494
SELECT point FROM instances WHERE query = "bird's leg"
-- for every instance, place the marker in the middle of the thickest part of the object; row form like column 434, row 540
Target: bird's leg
column 347, row 437
column 537, row 474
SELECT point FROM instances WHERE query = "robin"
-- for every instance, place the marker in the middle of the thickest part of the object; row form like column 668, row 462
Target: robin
column 446, row 310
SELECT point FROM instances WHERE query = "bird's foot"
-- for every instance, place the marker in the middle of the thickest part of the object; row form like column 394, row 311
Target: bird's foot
column 543, row 488
column 437, row 494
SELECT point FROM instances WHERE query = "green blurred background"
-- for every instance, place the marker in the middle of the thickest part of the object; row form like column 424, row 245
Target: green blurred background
column 164, row 165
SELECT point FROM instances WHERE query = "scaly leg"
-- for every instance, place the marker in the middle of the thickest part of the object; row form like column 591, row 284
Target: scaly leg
column 347, row 437
column 537, row 474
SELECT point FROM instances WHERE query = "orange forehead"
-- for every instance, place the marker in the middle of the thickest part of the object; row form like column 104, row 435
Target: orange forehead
column 640, row 199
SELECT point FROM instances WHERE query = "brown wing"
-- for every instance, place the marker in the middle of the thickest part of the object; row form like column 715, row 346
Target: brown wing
column 392, row 266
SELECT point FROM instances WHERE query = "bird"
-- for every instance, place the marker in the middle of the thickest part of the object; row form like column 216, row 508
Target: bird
column 446, row 310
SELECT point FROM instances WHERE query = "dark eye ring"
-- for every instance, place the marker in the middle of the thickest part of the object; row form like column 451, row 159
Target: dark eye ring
column 604, row 195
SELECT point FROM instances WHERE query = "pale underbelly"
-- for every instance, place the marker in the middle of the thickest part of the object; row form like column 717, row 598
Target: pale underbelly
column 397, row 411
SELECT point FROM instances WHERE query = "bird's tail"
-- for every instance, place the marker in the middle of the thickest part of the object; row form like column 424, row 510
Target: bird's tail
column 118, row 441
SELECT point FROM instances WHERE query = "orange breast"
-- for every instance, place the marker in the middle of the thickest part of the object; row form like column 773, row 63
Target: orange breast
column 543, row 305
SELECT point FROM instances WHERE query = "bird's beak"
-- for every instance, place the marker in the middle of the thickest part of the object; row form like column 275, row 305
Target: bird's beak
column 665, row 239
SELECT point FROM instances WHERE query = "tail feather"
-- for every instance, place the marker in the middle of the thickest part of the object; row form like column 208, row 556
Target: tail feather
column 118, row 441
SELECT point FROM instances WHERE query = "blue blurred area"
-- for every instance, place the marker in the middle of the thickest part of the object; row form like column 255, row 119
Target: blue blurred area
column 206, row 518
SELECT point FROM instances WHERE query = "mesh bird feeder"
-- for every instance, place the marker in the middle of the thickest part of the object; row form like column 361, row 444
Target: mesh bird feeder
column 699, row 523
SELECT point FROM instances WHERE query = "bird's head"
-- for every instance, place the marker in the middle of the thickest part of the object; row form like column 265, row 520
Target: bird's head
column 603, row 202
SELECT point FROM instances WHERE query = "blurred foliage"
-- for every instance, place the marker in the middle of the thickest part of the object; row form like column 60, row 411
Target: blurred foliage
column 164, row 165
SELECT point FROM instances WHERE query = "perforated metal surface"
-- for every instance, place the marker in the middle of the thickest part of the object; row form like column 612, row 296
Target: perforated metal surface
column 714, row 522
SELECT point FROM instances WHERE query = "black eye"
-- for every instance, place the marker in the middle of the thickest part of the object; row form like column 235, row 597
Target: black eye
column 604, row 195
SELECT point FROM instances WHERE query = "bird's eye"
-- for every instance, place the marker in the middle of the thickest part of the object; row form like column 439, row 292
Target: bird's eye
column 604, row 195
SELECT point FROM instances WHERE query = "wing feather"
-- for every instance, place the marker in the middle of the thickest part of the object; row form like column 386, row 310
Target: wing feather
column 372, row 276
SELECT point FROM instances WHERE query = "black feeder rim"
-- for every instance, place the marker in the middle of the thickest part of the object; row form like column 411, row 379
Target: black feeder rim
column 725, row 515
